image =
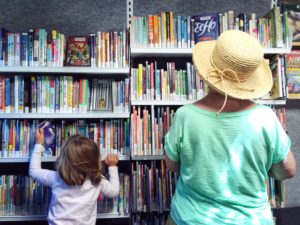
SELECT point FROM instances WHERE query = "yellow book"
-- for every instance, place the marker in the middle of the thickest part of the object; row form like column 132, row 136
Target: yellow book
column 140, row 82
column 70, row 94
column 172, row 41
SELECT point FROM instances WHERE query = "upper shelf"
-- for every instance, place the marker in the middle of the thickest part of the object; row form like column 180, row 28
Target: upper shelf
column 184, row 102
column 162, row 52
column 65, row 70
column 87, row 115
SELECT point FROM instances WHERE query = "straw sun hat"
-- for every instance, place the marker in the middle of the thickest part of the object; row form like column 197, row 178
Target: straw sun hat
column 234, row 65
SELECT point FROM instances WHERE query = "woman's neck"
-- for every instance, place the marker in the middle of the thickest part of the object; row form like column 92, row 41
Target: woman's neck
column 214, row 101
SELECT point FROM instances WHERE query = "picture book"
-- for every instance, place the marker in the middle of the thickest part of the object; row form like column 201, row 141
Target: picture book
column 206, row 27
column 78, row 52
column 49, row 136
column 293, row 74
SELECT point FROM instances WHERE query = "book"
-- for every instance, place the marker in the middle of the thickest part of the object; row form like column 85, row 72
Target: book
column 78, row 51
column 206, row 27
column 293, row 11
column 293, row 74
column 49, row 136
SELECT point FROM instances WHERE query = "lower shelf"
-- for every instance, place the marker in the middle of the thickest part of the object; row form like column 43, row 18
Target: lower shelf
column 44, row 217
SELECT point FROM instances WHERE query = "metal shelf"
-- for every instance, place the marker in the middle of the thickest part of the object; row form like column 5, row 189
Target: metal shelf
column 44, row 217
column 44, row 159
column 64, row 70
column 164, row 52
column 148, row 157
column 88, row 115
column 161, row 102
column 271, row 101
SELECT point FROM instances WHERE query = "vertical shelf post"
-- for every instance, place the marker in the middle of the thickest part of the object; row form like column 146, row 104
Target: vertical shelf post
column 129, row 12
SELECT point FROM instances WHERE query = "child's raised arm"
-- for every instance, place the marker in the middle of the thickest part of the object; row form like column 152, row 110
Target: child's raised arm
column 44, row 176
column 111, row 188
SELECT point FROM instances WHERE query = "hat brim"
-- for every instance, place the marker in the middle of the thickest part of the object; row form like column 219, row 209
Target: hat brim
column 256, row 86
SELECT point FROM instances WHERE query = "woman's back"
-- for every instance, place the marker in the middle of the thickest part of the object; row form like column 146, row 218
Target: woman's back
column 224, row 161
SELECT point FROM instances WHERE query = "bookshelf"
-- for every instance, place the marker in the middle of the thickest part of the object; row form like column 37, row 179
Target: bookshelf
column 149, row 54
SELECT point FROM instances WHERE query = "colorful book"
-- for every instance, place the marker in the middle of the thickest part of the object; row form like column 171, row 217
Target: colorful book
column 49, row 136
column 206, row 27
column 78, row 53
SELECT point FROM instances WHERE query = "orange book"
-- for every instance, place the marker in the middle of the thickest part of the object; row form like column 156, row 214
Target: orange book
column 155, row 31
column 150, row 31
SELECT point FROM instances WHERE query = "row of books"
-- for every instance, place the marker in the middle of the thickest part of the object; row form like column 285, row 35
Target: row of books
column 21, row 195
column 39, row 48
column 17, row 136
column 119, row 204
column 62, row 94
column 151, row 83
column 148, row 129
column 278, row 68
column 276, row 192
column 36, row 48
column 152, row 187
column 169, row 31
column 149, row 219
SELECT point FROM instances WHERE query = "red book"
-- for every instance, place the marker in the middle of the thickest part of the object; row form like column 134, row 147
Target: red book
column 78, row 53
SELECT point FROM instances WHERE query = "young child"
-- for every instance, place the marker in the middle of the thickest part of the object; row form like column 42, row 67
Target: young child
column 78, row 180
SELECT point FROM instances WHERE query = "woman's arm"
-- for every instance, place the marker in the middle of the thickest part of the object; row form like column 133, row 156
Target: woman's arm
column 285, row 169
column 173, row 166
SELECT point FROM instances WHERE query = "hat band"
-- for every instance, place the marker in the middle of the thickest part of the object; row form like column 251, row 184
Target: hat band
column 220, row 75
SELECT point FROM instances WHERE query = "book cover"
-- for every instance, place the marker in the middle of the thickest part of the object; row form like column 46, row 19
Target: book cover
column 293, row 74
column 78, row 53
column 49, row 136
column 206, row 27
column 293, row 11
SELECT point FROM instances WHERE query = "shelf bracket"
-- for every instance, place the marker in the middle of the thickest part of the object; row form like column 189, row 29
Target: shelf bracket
column 129, row 13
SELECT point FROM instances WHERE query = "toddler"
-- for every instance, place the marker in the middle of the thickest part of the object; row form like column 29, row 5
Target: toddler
column 78, row 180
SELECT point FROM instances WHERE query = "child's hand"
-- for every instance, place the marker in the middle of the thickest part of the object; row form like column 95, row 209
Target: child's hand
column 112, row 159
column 39, row 136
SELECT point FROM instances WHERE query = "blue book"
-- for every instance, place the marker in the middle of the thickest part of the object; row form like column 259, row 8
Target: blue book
column 206, row 27
column 7, row 95
column 49, row 136
column 24, row 49
column 30, row 47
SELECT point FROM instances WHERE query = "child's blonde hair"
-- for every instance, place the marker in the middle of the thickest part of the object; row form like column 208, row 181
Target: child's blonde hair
column 79, row 160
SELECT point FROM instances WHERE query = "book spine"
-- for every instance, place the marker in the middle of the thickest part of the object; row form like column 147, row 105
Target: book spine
column 30, row 47
column 24, row 49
